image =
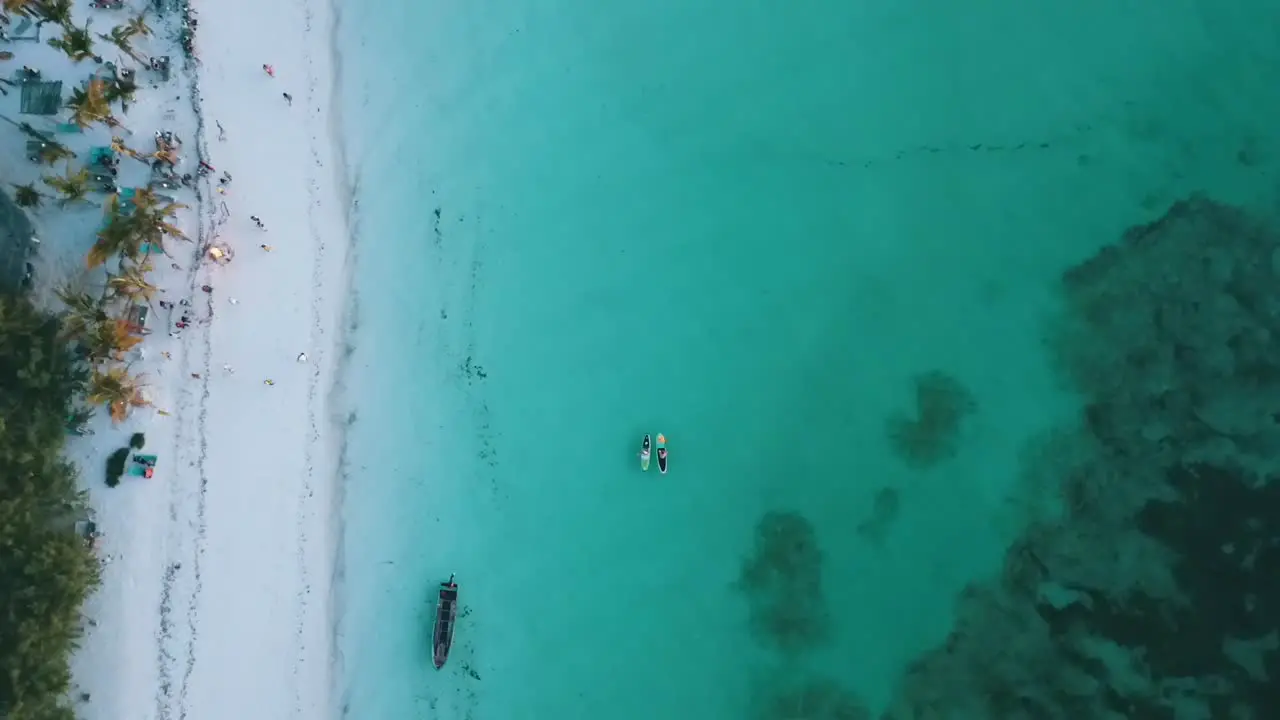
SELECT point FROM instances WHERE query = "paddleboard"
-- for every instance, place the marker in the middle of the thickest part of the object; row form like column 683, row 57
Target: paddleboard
column 662, row 453
column 644, row 453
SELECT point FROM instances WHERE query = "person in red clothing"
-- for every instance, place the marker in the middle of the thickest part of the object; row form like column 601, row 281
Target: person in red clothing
column 269, row 70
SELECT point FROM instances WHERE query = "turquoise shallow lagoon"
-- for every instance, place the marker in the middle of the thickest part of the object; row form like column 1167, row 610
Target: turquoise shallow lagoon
column 748, row 227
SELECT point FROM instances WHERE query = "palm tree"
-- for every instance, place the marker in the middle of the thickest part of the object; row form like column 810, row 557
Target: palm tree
column 83, row 312
column 52, row 152
column 117, row 389
column 132, row 283
column 117, row 144
column 76, row 42
column 109, row 340
column 26, row 196
column 137, row 26
column 120, row 90
column 168, row 157
column 57, row 12
column 27, row 130
column 19, row 7
column 73, row 186
column 121, row 36
column 147, row 200
column 119, row 236
column 89, row 104
column 153, row 217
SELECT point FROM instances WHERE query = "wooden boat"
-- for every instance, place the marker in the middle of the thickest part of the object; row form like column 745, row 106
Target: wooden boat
column 446, row 614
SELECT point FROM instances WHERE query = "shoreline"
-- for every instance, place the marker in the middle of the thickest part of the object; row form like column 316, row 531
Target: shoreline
column 342, row 410
column 220, row 578
column 307, row 651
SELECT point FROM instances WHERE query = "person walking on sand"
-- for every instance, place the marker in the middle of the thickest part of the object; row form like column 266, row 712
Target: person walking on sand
column 270, row 71
column 288, row 98
column 265, row 247
column 257, row 221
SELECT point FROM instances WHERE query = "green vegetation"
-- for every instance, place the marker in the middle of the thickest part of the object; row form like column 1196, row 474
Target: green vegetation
column 122, row 36
column 89, row 104
column 76, row 42
column 26, row 196
column 57, row 12
column 46, row 570
column 73, row 186
column 54, row 371
column 115, row 466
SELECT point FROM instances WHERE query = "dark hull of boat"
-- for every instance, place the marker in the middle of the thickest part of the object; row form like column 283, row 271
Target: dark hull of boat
column 446, row 614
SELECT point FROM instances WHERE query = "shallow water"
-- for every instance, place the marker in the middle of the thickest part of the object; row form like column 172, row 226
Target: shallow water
column 748, row 228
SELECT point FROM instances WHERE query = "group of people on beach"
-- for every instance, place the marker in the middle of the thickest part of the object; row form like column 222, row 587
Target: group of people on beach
column 217, row 251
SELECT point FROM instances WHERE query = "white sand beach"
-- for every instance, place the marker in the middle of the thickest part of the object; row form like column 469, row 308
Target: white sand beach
column 216, row 592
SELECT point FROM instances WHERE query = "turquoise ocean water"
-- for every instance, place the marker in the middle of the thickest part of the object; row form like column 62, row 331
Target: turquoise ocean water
column 748, row 226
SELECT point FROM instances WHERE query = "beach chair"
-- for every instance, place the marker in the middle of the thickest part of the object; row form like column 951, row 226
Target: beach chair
column 25, row 30
column 35, row 150
column 143, row 466
column 126, row 199
column 163, row 176
column 136, row 319
column 167, row 142
column 102, row 156
column 160, row 66
column 125, row 204
column 87, row 530
column 101, row 182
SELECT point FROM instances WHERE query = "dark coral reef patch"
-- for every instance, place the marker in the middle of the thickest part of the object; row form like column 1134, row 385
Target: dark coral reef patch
column 1152, row 590
column 782, row 581
column 931, row 434
column 817, row 699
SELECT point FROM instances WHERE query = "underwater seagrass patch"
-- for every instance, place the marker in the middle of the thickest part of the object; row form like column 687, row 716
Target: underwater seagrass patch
column 814, row 699
column 782, row 581
column 932, row 434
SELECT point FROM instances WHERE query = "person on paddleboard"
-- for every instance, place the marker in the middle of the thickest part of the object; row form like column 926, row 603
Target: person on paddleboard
column 644, row 453
column 662, row 453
